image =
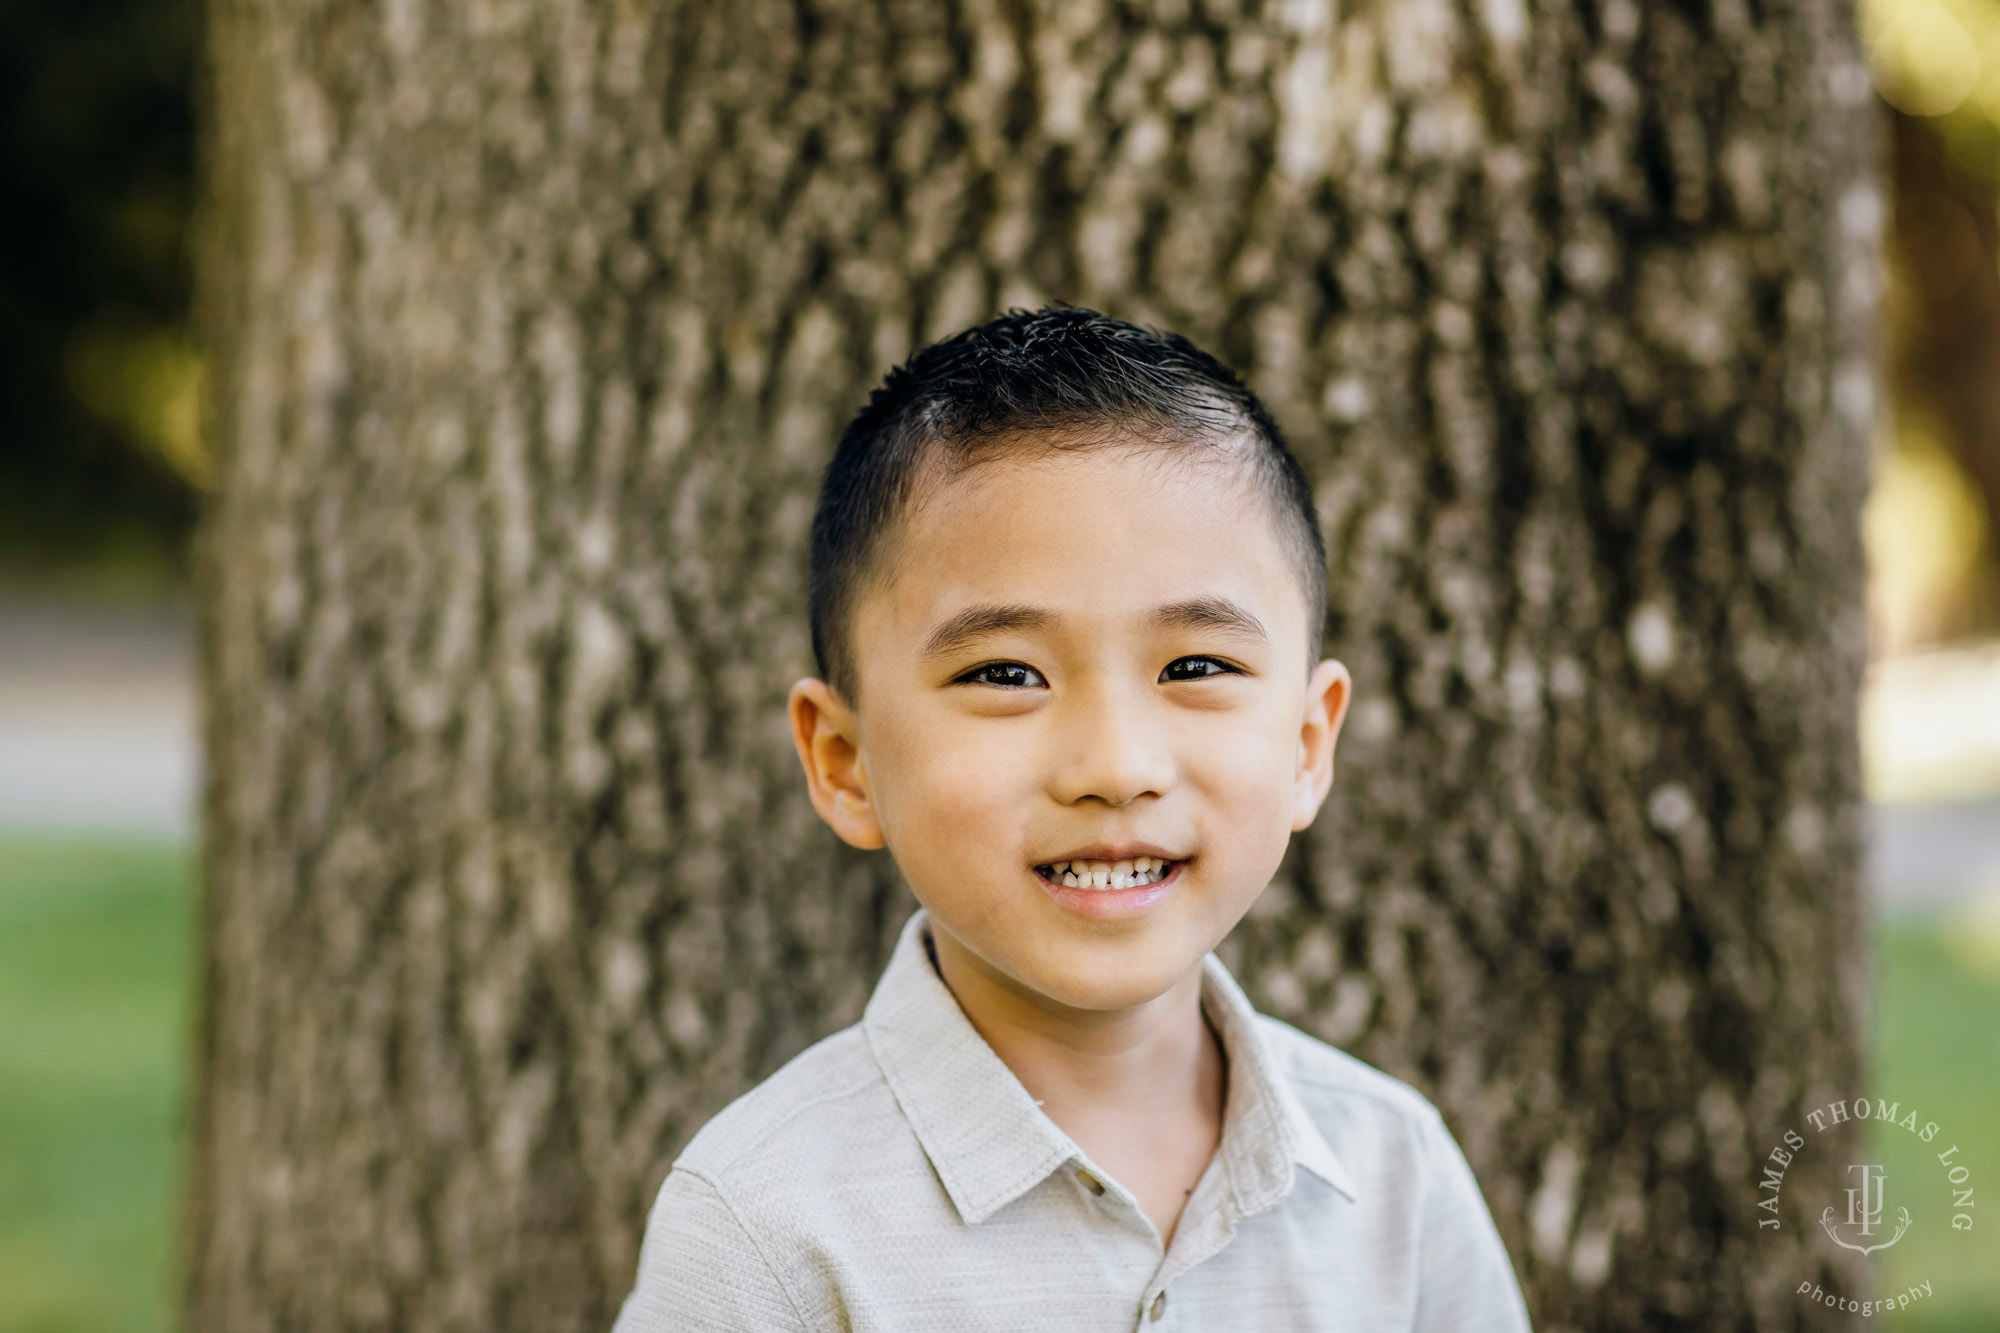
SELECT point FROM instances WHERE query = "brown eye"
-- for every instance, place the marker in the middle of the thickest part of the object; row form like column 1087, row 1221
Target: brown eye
column 1008, row 675
column 1196, row 668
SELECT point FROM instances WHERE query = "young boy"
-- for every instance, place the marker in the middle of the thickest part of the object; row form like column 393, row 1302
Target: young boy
column 1067, row 591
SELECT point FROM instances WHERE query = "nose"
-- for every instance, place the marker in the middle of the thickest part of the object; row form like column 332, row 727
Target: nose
column 1110, row 749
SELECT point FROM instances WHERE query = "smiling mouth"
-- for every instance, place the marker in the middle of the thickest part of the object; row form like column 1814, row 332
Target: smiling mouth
column 1107, row 875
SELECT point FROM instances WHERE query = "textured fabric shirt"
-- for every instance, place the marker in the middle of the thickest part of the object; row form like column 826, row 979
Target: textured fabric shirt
column 898, row 1176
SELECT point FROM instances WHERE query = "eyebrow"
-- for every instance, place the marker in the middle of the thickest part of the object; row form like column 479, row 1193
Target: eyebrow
column 979, row 622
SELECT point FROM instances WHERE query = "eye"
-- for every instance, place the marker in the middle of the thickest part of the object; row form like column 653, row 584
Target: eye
column 1197, row 668
column 1007, row 675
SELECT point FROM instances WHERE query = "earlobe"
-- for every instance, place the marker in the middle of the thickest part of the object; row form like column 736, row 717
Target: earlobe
column 824, row 734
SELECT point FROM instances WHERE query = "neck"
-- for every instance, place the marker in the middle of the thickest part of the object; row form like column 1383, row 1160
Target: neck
column 1083, row 1064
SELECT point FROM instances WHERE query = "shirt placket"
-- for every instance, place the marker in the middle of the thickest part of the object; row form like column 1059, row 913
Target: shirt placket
column 1108, row 1199
column 1206, row 1226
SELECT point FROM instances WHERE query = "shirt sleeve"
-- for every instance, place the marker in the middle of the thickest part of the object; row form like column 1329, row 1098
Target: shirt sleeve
column 1465, row 1280
column 700, row 1269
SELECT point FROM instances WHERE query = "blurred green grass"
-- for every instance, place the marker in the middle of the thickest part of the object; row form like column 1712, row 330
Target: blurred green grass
column 96, row 962
column 1936, row 1047
column 96, row 965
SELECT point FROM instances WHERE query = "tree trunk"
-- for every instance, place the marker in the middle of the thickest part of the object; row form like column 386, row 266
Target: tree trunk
column 532, row 326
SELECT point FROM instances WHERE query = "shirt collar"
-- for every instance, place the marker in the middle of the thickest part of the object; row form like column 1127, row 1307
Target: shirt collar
column 1265, row 1129
column 990, row 1143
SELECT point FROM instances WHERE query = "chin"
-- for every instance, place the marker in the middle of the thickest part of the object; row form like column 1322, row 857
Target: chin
column 1091, row 985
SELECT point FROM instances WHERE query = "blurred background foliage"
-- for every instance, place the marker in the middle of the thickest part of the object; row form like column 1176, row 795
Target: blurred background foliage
column 100, row 454
column 1931, row 520
column 102, row 469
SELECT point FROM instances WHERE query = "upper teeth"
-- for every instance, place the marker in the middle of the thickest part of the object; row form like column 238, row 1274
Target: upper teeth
column 1109, row 874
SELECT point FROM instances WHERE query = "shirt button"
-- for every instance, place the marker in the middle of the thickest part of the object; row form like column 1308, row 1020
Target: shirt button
column 1159, row 1311
column 1090, row 1182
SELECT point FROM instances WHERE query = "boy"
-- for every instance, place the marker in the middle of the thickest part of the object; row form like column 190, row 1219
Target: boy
column 1066, row 594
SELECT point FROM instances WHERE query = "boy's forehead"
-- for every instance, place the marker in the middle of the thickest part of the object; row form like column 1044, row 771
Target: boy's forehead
column 1100, row 531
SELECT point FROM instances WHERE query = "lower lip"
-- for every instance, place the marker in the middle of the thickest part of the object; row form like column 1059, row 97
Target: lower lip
column 1112, row 904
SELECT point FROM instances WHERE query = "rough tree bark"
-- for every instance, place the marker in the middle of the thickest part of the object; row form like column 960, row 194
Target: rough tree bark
column 532, row 324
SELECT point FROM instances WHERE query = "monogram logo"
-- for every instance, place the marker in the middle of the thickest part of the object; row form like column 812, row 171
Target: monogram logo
column 1864, row 1212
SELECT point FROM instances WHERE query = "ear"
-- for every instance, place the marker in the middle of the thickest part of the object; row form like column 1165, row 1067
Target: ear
column 825, row 734
column 1327, row 693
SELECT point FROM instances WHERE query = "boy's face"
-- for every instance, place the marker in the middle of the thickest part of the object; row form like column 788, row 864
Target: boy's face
column 1080, row 655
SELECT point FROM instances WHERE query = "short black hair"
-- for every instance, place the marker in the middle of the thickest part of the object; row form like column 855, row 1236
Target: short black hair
column 1064, row 370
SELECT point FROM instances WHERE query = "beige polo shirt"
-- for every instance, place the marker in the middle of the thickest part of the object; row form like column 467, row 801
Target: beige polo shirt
column 898, row 1176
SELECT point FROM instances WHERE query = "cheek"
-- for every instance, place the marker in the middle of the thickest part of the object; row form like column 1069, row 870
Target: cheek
column 1247, row 771
column 948, row 781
